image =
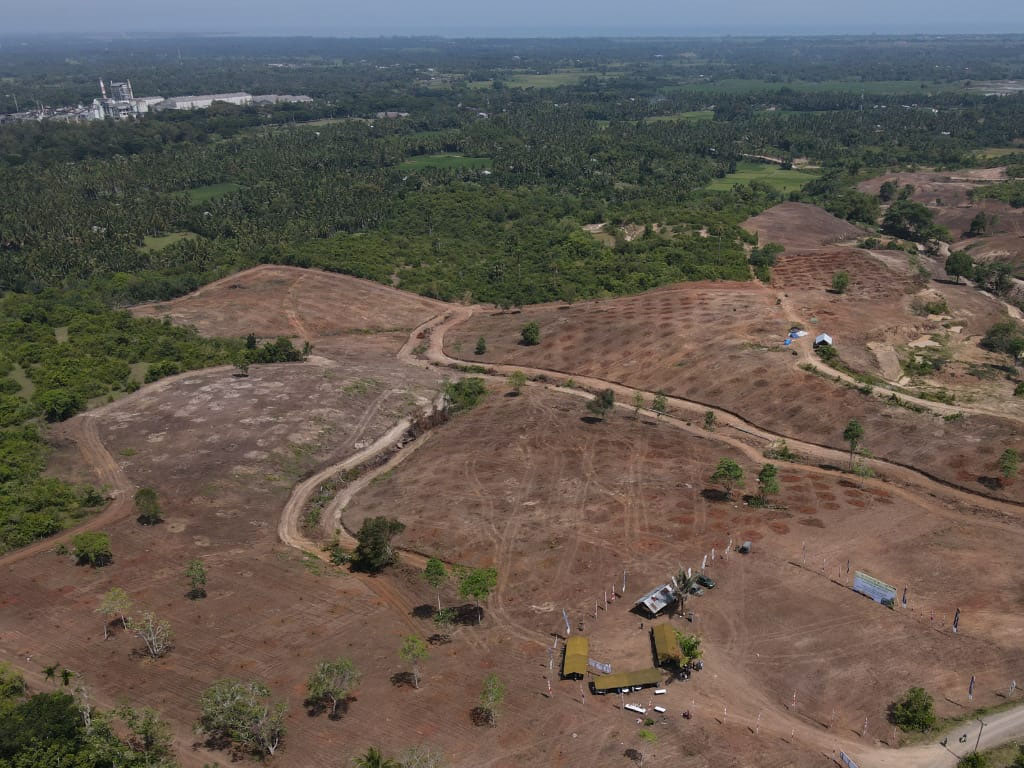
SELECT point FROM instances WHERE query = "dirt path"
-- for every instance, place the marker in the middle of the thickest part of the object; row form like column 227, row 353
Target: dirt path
column 912, row 483
column 817, row 454
column 82, row 431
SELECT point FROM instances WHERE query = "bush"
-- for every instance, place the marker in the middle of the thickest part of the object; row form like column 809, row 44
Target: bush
column 92, row 548
column 465, row 393
column 530, row 334
column 840, row 282
column 1018, row 391
column 914, row 712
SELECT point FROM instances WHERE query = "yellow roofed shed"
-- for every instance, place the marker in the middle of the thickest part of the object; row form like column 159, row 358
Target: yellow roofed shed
column 666, row 646
column 577, row 654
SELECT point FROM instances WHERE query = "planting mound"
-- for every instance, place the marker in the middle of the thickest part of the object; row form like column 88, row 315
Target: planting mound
column 561, row 505
column 720, row 344
column 800, row 225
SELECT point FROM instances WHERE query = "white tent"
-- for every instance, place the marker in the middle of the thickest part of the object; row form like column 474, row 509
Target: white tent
column 822, row 338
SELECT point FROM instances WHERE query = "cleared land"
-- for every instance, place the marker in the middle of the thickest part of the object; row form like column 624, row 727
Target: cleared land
column 200, row 195
column 721, row 344
column 767, row 173
column 337, row 313
column 562, row 506
column 800, row 225
column 445, row 161
column 159, row 242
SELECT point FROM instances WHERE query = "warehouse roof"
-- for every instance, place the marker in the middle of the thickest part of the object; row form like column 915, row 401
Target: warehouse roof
column 627, row 679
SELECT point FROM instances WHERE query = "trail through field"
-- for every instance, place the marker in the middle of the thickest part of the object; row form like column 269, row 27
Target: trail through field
column 82, row 431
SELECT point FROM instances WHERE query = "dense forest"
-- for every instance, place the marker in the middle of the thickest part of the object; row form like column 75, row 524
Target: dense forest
column 519, row 171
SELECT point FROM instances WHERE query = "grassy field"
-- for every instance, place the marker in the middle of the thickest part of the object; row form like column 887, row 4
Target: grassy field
column 445, row 161
column 697, row 116
column 782, row 180
column 199, row 195
column 551, row 79
column 27, row 387
column 1000, row 151
column 880, row 87
column 158, row 243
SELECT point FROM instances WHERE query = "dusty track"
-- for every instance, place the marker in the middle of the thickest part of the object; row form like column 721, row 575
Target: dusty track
column 83, row 433
column 727, row 419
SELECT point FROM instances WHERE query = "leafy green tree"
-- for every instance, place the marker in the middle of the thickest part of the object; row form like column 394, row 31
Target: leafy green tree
column 516, row 380
column 709, row 421
column 478, row 583
column 638, row 404
column 601, row 403
column 959, row 264
column 373, row 758
column 915, row 711
column 840, row 281
column 195, row 572
column 150, row 737
column 530, row 334
column 481, row 346
column 374, row 551
column 660, row 404
column 492, row 696
column 92, row 548
column 148, row 507
column 1006, row 336
column 243, row 713
column 980, row 225
column 887, row 191
column 435, row 574
column 729, row 475
column 974, row 760
column 689, row 646
column 682, row 586
column 333, row 681
column 767, row 482
column 853, row 434
column 413, row 651
column 12, row 684
column 465, row 393
column 1009, row 463
column 115, row 604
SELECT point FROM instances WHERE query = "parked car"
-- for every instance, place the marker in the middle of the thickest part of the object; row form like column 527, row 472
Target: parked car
column 706, row 581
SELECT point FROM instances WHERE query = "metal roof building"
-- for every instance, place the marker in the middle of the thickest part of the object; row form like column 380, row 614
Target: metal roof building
column 643, row 678
column 577, row 653
column 666, row 646
column 657, row 599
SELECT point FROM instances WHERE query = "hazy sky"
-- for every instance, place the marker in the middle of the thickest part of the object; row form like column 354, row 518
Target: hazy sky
column 510, row 17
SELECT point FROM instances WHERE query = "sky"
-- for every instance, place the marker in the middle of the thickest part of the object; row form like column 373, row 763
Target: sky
column 512, row 18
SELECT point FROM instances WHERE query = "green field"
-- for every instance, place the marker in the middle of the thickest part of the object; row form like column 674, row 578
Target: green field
column 444, row 161
column 158, row 243
column 551, row 79
column 767, row 173
column 27, row 387
column 199, row 195
column 1000, row 151
column 697, row 116
column 879, row 87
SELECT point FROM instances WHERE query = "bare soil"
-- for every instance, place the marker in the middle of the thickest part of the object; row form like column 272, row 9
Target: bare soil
column 721, row 344
column 800, row 225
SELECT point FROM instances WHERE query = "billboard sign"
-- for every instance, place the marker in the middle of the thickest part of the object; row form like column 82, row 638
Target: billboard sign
column 877, row 590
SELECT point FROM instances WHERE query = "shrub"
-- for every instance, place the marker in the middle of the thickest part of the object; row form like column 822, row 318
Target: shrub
column 465, row 393
column 530, row 334
column 914, row 712
column 92, row 548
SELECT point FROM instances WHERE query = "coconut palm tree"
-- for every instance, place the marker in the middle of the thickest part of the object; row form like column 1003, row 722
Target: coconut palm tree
column 682, row 584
